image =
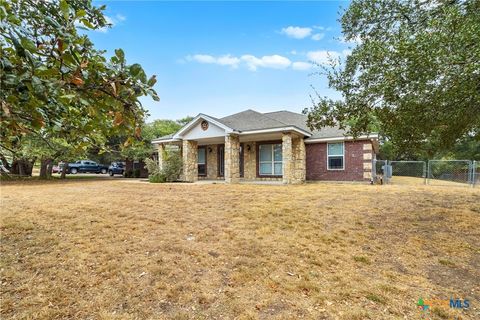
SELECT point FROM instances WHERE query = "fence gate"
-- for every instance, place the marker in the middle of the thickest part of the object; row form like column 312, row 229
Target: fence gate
column 406, row 172
column 452, row 172
column 378, row 167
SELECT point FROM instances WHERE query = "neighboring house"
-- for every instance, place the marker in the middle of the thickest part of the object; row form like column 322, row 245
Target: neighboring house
column 269, row 146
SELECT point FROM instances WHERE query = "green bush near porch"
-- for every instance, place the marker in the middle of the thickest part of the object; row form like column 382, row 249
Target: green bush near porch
column 171, row 169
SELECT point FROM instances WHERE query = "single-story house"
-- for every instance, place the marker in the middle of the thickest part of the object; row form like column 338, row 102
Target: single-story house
column 250, row 145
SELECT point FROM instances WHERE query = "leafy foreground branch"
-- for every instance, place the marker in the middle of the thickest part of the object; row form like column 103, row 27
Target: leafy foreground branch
column 60, row 96
column 415, row 70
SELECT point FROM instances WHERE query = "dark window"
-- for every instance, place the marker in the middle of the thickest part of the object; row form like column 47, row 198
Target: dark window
column 202, row 161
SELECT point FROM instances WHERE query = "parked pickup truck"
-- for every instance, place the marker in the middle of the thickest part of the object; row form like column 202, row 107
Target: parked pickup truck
column 116, row 168
column 86, row 166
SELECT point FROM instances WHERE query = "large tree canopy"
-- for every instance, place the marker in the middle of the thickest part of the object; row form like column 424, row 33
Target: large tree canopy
column 415, row 70
column 56, row 88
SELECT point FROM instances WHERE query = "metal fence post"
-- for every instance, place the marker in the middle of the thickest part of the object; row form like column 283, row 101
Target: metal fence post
column 428, row 173
column 385, row 172
column 424, row 172
column 471, row 177
column 470, row 174
column 474, row 173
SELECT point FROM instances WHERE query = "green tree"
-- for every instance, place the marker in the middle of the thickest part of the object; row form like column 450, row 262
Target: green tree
column 57, row 87
column 415, row 69
column 143, row 148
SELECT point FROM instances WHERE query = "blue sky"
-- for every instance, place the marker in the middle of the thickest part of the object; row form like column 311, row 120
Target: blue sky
column 220, row 58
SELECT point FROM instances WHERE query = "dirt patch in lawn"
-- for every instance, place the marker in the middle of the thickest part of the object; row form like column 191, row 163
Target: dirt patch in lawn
column 117, row 250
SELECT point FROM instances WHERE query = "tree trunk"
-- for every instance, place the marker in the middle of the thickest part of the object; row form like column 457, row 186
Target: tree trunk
column 49, row 169
column 43, row 169
column 44, row 164
column 22, row 167
column 64, row 169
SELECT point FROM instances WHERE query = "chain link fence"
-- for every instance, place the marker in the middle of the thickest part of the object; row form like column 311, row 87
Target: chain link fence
column 450, row 172
column 476, row 174
column 407, row 172
column 433, row 172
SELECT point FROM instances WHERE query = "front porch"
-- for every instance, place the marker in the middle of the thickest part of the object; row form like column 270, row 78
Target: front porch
column 274, row 157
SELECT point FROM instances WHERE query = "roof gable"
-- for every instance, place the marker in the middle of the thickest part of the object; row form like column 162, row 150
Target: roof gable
column 250, row 120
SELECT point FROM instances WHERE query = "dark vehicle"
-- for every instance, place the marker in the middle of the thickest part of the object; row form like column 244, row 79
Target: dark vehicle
column 86, row 166
column 116, row 168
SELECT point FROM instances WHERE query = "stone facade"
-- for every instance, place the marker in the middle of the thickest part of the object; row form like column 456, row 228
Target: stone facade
column 288, row 166
column 161, row 153
column 250, row 160
column 232, row 158
column 367, row 160
column 298, row 148
column 190, row 167
column 293, row 159
column 212, row 162
column 301, row 162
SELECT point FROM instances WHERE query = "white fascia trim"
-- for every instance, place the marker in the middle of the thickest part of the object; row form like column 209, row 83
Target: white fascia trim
column 180, row 132
column 282, row 129
column 372, row 136
column 158, row 141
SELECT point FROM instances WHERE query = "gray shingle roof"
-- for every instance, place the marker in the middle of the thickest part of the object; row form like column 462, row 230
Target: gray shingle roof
column 300, row 120
column 252, row 120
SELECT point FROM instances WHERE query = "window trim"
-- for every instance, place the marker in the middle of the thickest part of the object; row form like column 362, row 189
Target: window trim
column 343, row 156
column 273, row 175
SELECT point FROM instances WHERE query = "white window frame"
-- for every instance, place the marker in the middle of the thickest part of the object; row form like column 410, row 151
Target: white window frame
column 272, row 162
column 343, row 157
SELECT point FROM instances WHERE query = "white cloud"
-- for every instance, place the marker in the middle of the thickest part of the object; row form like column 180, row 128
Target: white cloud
column 120, row 17
column 322, row 56
column 318, row 36
column 250, row 61
column 226, row 60
column 274, row 61
column 300, row 65
column 112, row 21
column 323, row 28
column 297, row 32
column 202, row 58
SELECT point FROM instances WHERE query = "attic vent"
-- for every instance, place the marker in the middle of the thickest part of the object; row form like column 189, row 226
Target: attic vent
column 204, row 125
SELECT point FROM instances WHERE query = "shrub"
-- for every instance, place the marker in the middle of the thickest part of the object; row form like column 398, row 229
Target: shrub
column 172, row 166
column 136, row 173
column 156, row 178
column 128, row 174
column 171, row 171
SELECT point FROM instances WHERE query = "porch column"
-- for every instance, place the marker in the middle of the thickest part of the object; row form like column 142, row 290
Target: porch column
column 299, row 160
column 190, row 166
column 161, row 152
column 287, row 158
column 232, row 158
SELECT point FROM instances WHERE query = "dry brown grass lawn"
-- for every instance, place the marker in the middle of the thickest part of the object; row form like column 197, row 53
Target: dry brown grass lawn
column 133, row 250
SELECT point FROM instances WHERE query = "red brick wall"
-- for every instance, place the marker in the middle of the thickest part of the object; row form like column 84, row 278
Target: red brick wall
column 316, row 154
